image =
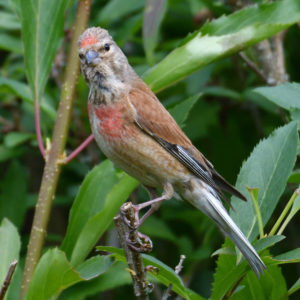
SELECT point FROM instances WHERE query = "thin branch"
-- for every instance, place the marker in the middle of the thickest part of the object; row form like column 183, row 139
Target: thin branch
column 253, row 66
column 178, row 269
column 53, row 164
column 129, row 237
column 7, row 279
column 79, row 149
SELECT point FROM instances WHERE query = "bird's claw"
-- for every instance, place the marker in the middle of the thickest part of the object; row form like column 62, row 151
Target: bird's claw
column 143, row 244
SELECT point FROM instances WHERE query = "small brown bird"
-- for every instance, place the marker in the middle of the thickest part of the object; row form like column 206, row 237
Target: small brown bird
column 136, row 132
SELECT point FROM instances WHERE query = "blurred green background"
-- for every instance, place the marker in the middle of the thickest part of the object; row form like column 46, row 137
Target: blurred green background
column 225, row 123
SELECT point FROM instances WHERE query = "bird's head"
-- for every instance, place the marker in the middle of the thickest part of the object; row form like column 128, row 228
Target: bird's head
column 103, row 64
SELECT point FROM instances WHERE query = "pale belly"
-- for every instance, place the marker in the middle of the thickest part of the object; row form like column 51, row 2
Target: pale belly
column 138, row 154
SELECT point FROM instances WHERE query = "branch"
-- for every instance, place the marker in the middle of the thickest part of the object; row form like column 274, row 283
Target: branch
column 7, row 279
column 53, row 163
column 79, row 149
column 130, row 238
column 178, row 269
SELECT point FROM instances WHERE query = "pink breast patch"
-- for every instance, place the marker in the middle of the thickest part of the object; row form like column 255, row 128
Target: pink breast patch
column 111, row 123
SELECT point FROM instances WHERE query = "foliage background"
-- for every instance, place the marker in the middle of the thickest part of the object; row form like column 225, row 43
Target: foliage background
column 225, row 123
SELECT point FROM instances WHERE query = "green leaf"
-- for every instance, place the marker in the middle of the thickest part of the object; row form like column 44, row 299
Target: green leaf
column 285, row 95
column 14, row 139
column 164, row 232
column 54, row 273
column 13, row 189
column 117, row 9
column 227, row 272
column 292, row 256
column 223, row 37
column 295, row 287
column 42, row 29
column 181, row 110
column 9, row 21
column 8, row 153
column 268, row 242
column 10, row 43
column 165, row 275
column 270, row 286
column 113, row 278
column 10, row 246
column 98, row 201
column 267, row 169
column 153, row 15
column 93, row 267
column 89, row 201
column 23, row 91
column 295, row 177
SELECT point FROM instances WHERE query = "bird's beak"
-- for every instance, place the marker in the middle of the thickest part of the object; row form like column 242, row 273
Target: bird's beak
column 92, row 57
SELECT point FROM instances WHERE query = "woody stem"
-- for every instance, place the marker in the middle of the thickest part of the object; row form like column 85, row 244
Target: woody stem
column 53, row 164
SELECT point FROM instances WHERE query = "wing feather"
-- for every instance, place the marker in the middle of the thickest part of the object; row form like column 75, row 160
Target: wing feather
column 159, row 124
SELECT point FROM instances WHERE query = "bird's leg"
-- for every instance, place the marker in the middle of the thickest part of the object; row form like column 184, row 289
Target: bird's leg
column 155, row 203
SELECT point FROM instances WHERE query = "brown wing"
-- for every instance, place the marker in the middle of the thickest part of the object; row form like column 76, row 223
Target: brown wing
column 158, row 123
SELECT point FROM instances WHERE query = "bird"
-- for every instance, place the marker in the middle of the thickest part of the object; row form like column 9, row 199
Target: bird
column 136, row 132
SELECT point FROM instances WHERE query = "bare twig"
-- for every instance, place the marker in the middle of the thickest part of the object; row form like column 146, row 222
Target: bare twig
column 7, row 279
column 253, row 66
column 55, row 157
column 79, row 149
column 129, row 237
column 178, row 269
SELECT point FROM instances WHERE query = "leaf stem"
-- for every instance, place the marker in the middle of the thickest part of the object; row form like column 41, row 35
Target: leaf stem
column 257, row 210
column 283, row 214
column 53, row 163
column 79, row 149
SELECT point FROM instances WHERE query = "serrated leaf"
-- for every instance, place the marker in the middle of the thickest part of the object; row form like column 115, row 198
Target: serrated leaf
column 10, row 246
column 165, row 275
column 285, row 95
column 267, row 169
column 42, row 29
column 270, row 286
column 223, row 37
column 181, row 110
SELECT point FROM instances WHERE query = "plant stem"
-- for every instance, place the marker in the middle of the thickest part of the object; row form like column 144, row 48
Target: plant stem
column 257, row 210
column 283, row 214
column 55, row 157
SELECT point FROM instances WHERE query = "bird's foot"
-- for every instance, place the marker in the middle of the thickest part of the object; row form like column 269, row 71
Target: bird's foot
column 142, row 244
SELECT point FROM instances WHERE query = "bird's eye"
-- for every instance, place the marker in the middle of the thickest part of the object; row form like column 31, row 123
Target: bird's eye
column 106, row 47
column 81, row 56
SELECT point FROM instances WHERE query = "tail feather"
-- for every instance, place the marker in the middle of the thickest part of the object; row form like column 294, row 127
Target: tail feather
column 215, row 210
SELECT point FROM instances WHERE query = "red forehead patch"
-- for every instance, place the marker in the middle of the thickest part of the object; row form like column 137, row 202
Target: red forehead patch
column 89, row 40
